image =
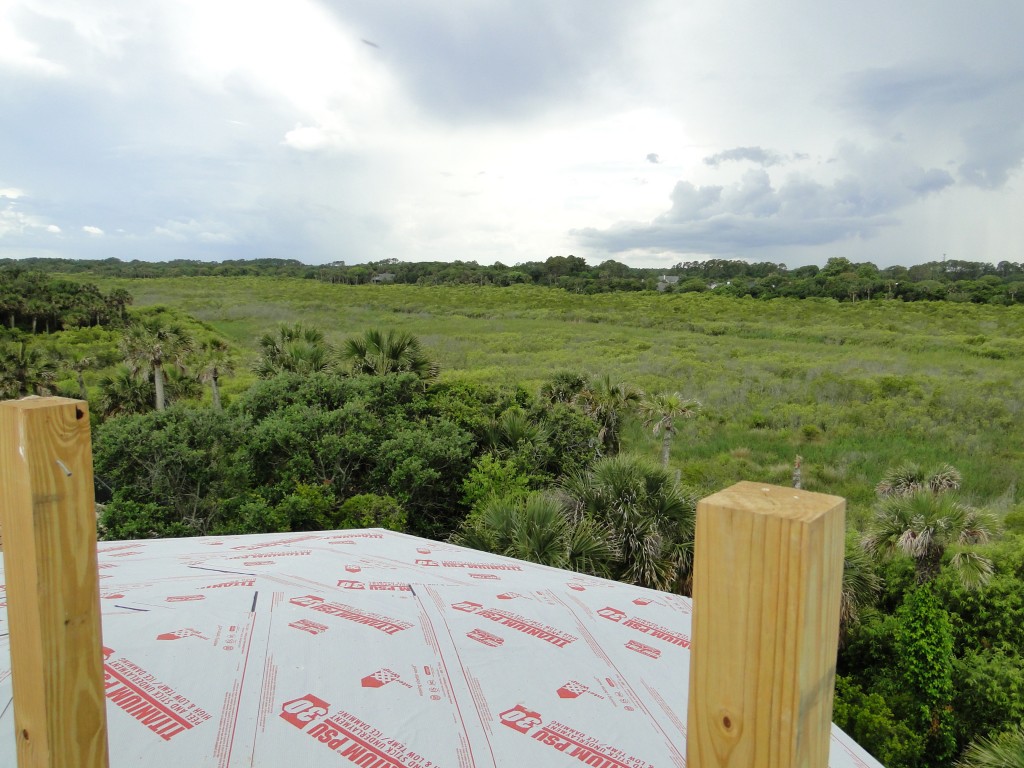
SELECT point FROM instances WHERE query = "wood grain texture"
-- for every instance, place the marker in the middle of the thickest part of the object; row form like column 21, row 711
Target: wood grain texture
column 768, row 568
column 49, row 529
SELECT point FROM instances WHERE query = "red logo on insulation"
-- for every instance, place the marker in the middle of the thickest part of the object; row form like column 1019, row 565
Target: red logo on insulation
column 180, row 634
column 486, row 638
column 301, row 712
column 379, row 679
column 574, row 689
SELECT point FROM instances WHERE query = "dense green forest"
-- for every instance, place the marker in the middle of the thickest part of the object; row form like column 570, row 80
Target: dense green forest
column 580, row 430
column 840, row 279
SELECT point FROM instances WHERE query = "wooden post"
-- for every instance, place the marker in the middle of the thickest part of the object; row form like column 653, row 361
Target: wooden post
column 49, row 529
column 768, row 570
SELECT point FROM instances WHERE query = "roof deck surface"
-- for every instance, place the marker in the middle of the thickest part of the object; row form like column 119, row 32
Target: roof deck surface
column 374, row 648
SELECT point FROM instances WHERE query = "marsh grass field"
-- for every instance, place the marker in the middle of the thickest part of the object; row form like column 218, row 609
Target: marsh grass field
column 853, row 388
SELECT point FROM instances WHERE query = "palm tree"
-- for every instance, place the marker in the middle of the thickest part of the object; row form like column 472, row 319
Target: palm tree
column 563, row 387
column 377, row 354
column 180, row 385
column 150, row 344
column 924, row 525
column 10, row 303
column 607, row 402
column 294, row 349
column 1005, row 750
column 539, row 529
column 513, row 430
column 660, row 412
column 215, row 361
column 116, row 302
column 861, row 586
column 125, row 392
column 26, row 370
column 651, row 518
column 909, row 478
column 37, row 308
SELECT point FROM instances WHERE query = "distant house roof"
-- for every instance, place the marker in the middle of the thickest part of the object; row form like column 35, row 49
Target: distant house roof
column 670, row 279
column 369, row 647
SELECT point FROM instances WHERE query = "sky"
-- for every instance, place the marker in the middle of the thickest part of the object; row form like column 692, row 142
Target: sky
column 645, row 131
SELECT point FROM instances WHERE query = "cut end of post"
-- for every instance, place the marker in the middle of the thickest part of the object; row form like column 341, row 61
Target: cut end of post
column 780, row 501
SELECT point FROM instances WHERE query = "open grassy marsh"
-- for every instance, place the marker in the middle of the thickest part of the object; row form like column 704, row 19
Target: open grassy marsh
column 853, row 388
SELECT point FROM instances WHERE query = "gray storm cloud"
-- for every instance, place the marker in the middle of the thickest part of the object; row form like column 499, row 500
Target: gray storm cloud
column 753, row 213
column 756, row 155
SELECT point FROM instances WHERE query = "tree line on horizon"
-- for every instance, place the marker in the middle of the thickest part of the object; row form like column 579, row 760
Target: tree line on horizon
column 840, row 278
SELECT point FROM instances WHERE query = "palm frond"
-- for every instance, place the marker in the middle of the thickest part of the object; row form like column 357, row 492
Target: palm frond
column 974, row 570
column 1005, row 750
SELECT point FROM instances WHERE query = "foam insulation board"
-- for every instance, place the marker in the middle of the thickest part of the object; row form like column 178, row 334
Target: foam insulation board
column 382, row 650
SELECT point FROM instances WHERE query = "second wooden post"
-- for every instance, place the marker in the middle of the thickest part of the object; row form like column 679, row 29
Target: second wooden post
column 768, row 569
column 49, row 529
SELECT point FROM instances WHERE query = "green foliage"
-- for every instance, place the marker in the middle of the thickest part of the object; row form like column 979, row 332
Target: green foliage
column 989, row 693
column 174, row 461
column 924, row 649
column 377, row 353
column 868, row 719
column 902, row 371
column 988, row 618
column 26, row 370
column 35, row 301
column 293, row 349
column 572, row 440
column 125, row 519
column 152, row 342
column 251, row 513
column 649, row 515
column 493, row 476
column 608, row 402
column 124, row 392
column 422, row 466
column 539, row 528
column 310, row 508
column 861, row 585
column 909, row 479
column 1014, row 520
column 370, row 510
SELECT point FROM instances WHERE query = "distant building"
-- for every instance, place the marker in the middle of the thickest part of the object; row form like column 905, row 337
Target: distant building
column 383, row 277
column 666, row 280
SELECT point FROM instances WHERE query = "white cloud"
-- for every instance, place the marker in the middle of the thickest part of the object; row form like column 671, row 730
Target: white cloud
column 14, row 222
column 19, row 54
column 53, row 229
column 195, row 231
column 93, row 231
column 11, row 193
column 312, row 138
